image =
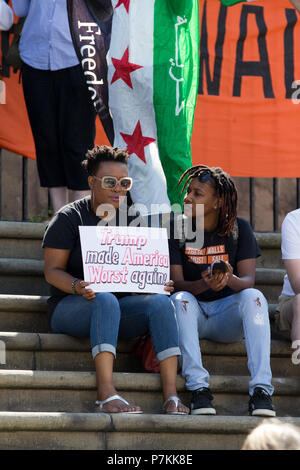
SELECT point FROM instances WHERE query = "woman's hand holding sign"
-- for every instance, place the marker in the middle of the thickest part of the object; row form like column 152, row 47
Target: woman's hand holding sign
column 80, row 289
column 169, row 287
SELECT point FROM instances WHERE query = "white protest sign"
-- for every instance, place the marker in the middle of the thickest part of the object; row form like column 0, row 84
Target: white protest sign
column 125, row 259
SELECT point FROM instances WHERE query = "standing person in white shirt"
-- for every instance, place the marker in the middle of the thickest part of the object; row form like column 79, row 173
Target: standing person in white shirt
column 6, row 16
column 288, row 309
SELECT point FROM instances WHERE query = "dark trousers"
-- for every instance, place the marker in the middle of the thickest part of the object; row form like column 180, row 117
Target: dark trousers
column 62, row 119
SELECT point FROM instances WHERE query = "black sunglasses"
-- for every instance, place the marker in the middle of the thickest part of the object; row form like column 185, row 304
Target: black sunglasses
column 204, row 176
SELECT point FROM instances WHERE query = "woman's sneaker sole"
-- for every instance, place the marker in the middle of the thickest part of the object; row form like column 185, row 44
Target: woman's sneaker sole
column 260, row 404
column 262, row 412
column 203, row 411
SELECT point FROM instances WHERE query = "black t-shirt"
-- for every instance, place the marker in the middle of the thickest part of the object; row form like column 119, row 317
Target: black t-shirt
column 240, row 245
column 63, row 233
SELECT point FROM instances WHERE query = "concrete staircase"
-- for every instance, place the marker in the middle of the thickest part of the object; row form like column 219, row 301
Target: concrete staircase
column 48, row 383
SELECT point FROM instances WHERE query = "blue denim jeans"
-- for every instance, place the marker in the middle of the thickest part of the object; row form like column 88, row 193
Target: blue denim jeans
column 238, row 316
column 106, row 319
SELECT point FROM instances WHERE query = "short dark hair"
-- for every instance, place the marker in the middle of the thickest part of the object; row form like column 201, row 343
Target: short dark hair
column 225, row 189
column 103, row 153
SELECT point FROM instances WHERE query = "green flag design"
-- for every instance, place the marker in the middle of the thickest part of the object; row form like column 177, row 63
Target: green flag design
column 153, row 65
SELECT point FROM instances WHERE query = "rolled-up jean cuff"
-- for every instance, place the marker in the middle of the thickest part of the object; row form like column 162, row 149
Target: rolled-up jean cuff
column 168, row 353
column 103, row 347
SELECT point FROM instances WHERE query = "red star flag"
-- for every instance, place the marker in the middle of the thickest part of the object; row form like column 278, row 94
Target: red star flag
column 153, row 64
column 90, row 26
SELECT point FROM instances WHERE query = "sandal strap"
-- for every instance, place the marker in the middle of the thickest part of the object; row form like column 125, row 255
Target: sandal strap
column 173, row 398
column 113, row 397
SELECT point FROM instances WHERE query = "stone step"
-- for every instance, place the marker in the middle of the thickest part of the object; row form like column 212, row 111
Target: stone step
column 270, row 246
column 23, row 240
column 28, row 313
column 37, row 350
column 42, row 351
column 26, row 276
column 67, row 392
column 89, row 431
column 22, row 276
column 54, row 352
column 50, row 405
column 269, row 281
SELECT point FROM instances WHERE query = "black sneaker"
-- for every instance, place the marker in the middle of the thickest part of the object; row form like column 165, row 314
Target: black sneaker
column 260, row 404
column 201, row 402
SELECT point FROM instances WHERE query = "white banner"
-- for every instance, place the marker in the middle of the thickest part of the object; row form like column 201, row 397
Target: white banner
column 125, row 259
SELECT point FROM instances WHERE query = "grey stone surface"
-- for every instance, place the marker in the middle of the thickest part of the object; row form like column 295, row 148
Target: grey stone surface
column 23, row 303
column 26, row 267
column 26, row 285
column 52, row 440
column 117, row 432
column 60, row 342
column 129, row 381
column 267, row 276
column 268, row 240
column 22, row 230
column 48, row 384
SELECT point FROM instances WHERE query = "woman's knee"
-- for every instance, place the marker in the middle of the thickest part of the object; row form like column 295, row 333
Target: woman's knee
column 55, row 324
column 254, row 303
column 253, row 296
column 184, row 301
column 106, row 298
column 106, row 303
column 159, row 304
column 72, row 316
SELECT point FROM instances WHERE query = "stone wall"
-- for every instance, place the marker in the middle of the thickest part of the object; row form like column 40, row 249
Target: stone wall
column 263, row 207
column 11, row 195
column 11, row 189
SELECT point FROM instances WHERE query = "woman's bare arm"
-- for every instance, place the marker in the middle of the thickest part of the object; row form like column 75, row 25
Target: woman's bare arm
column 195, row 287
column 244, row 279
column 245, row 275
column 55, row 262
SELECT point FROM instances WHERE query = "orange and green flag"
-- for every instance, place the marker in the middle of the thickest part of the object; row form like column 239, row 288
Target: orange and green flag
column 228, row 3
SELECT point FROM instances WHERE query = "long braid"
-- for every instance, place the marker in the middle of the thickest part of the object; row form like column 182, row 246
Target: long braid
column 226, row 191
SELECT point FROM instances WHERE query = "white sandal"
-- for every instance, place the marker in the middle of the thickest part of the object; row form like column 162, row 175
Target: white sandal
column 176, row 400
column 114, row 397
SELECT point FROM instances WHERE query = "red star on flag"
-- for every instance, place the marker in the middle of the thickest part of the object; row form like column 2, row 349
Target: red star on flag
column 125, row 3
column 124, row 69
column 136, row 142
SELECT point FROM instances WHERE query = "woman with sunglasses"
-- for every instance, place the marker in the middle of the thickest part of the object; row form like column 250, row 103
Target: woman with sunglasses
column 219, row 305
column 105, row 317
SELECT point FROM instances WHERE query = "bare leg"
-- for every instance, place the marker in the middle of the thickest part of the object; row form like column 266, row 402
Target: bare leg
column 168, row 372
column 295, row 333
column 59, row 197
column 104, row 375
column 80, row 194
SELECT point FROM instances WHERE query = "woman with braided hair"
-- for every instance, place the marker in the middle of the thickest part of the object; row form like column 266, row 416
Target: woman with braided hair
column 219, row 304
